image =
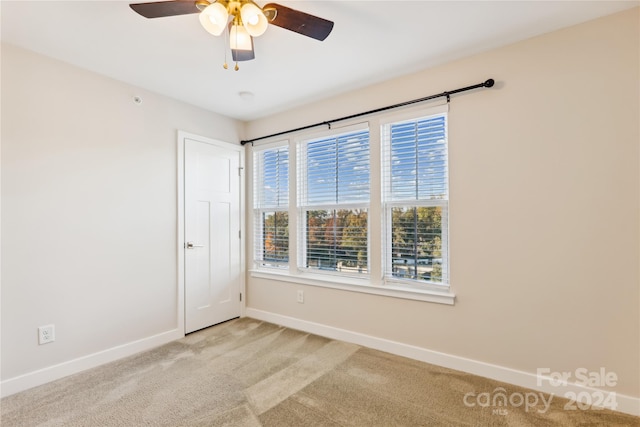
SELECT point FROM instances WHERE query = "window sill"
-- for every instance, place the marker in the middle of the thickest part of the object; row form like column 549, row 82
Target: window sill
column 358, row 285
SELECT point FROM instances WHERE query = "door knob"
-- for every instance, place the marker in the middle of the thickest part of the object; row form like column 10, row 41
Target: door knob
column 190, row 245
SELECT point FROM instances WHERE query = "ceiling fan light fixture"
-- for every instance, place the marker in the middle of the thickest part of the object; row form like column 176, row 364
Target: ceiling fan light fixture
column 214, row 18
column 239, row 38
column 253, row 19
column 243, row 19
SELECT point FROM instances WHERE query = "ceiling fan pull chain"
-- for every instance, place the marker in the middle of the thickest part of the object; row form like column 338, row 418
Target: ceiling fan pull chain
column 238, row 22
column 226, row 43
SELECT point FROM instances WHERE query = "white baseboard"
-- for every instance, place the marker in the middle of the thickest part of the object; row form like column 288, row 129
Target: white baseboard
column 610, row 400
column 55, row 372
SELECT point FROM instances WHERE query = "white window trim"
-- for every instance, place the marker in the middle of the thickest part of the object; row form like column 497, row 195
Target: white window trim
column 257, row 212
column 404, row 289
column 400, row 290
column 301, row 207
column 388, row 205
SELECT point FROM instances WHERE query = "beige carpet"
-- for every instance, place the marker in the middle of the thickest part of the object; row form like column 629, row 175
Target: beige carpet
column 250, row 373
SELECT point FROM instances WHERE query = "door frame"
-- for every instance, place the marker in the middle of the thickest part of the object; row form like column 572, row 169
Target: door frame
column 180, row 297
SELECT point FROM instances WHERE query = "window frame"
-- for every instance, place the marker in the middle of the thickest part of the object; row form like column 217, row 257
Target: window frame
column 258, row 211
column 375, row 282
column 303, row 207
column 388, row 205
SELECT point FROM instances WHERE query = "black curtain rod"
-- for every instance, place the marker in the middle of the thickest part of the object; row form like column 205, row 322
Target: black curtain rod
column 488, row 83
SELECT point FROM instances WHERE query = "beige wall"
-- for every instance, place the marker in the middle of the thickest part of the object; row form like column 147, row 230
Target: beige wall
column 544, row 210
column 88, row 210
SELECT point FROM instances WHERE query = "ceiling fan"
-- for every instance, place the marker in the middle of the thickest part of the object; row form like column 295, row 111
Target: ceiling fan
column 240, row 19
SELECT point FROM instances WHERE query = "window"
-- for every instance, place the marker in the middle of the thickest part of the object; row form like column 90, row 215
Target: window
column 333, row 201
column 416, row 200
column 370, row 212
column 271, row 204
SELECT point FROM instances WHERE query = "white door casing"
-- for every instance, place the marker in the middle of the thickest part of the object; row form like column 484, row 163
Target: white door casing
column 211, row 231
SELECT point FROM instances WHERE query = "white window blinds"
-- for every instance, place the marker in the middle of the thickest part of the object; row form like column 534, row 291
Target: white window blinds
column 418, row 166
column 271, row 204
column 333, row 200
column 335, row 170
column 271, row 178
column 416, row 199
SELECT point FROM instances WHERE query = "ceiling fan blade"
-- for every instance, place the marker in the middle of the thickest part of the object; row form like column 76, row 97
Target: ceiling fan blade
column 165, row 8
column 299, row 22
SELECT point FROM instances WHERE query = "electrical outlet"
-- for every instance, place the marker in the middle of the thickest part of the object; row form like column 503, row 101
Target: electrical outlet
column 46, row 334
column 301, row 297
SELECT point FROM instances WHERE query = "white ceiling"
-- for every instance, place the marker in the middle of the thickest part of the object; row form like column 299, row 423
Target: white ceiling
column 371, row 41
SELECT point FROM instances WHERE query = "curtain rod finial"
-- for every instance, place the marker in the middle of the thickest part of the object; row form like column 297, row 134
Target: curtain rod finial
column 489, row 83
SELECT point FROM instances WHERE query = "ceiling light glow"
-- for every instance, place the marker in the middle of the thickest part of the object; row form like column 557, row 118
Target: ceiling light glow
column 214, row 18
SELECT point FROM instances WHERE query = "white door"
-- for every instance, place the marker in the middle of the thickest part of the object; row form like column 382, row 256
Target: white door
column 212, row 234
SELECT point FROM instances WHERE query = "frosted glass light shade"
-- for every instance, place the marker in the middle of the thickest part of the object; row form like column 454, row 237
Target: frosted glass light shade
column 214, row 18
column 253, row 19
column 239, row 38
